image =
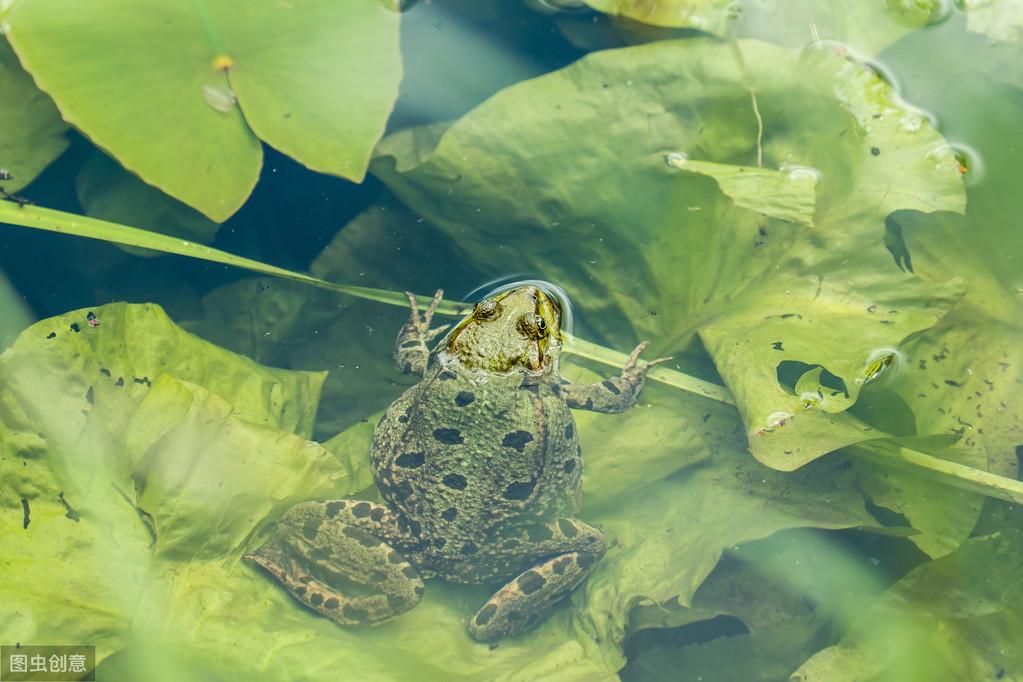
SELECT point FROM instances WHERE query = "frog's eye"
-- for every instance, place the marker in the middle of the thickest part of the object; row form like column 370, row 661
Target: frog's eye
column 486, row 308
column 532, row 326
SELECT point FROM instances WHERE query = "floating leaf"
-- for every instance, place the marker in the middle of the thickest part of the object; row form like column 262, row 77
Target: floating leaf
column 316, row 80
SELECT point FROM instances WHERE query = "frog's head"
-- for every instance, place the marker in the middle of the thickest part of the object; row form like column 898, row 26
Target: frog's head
column 518, row 329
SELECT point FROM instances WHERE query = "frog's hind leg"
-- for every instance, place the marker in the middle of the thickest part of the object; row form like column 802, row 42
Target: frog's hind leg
column 523, row 601
column 332, row 557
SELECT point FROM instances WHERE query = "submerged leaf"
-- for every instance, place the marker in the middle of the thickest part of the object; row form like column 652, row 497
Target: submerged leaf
column 957, row 617
column 32, row 134
column 109, row 192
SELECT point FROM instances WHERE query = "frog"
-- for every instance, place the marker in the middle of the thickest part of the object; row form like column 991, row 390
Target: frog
column 479, row 472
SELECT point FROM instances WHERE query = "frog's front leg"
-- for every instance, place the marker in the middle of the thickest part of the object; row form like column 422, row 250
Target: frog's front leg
column 321, row 550
column 411, row 349
column 616, row 394
column 570, row 557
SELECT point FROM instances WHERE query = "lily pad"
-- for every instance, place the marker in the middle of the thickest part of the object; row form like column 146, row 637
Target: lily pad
column 32, row 134
column 672, row 533
column 649, row 251
column 209, row 80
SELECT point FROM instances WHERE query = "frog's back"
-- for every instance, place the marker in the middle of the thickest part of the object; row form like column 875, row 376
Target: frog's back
column 461, row 458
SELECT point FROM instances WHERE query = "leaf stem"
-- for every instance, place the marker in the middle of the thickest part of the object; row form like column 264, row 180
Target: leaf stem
column 39, row 218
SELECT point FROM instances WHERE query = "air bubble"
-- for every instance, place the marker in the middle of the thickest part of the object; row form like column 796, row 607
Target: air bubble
column 911, row 123
column 219, row 97
column 676, row 159
column 914, row 118
column 800, row 174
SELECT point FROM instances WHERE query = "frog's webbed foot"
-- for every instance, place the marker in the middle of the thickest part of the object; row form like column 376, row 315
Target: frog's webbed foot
column 331, row 557
column 616, row 394
column 526, row 599
column 411, row 349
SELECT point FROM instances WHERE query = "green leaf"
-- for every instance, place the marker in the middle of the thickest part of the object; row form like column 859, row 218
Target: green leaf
column 107, row 191
column 284, row 324
column 32, row 134
column 962, row 376
column 671, row 534
column 16, row 316
column 865, row 27
column 210, row 79
column 86, row 409
column 956, row 474
column 789, row 591
column 206, row 476
column 778, row 194
column 651, row 253
column 711, row 16
column 957, row 617
column 1000, row 20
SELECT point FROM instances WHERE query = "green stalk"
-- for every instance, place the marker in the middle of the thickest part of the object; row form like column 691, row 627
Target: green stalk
column 35, row 217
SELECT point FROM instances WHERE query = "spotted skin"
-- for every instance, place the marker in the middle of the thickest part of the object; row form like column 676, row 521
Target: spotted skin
column 480, row 471
column 332, row 557
column 527, row 598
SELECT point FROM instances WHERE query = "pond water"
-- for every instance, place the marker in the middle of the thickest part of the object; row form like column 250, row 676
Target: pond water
column 812, row 207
